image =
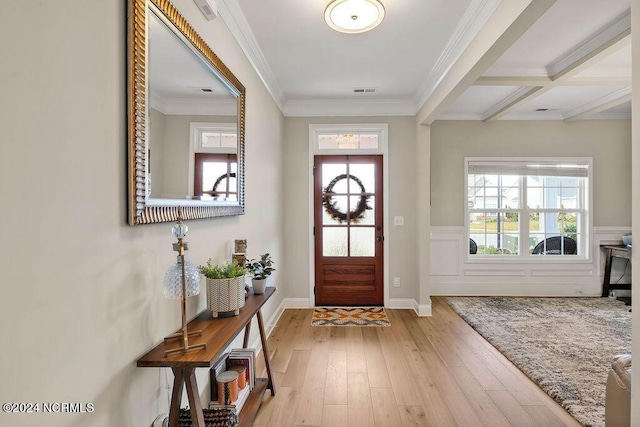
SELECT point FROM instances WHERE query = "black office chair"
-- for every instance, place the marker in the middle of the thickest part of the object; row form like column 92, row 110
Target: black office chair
column 551, row 246
column 473, row 248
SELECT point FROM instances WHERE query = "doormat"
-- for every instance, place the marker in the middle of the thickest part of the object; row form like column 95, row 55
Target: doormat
column 349, row 316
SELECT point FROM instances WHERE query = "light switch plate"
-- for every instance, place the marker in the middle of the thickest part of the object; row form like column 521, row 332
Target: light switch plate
column 398, row 220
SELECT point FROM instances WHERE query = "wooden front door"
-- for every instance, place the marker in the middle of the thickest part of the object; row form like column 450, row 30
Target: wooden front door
column 348, row 230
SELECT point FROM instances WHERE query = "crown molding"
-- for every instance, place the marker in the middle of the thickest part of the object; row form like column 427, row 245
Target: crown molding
column 609, row 116
column 193, row 106
column 474, row 18
column 345, row 107
column 618, row 28
column 542, row 115
column 231, row 13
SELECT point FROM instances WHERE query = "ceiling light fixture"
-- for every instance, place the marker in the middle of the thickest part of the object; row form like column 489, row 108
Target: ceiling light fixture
column 354, row 16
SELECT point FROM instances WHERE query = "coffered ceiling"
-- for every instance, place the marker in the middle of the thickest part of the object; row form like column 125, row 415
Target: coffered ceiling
column 456, row 60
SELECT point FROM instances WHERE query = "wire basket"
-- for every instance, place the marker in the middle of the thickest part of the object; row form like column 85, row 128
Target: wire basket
column 216, row 417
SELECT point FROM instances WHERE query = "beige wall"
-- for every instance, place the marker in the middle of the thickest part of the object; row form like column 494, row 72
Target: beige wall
column 173, row 152
column 635, row 43
column 81, row 290
column 402, row 188
column 607, row 141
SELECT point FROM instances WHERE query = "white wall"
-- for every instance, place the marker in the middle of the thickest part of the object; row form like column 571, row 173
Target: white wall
column 81, row 290
column 453, row 273
column 402, row 187
column 635, row 45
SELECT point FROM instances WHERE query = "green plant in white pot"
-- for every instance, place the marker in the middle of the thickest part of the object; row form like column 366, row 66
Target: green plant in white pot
column 225, row 287
column 260, row 269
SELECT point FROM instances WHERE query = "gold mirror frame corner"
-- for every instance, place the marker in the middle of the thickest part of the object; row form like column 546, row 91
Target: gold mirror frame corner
column 138, row 211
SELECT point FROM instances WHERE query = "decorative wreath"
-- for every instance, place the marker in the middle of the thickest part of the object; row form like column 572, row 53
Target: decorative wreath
column 214, row 190
column 331, row 205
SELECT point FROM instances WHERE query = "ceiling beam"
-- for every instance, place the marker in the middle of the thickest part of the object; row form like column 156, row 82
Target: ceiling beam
column 616, row 36
column 612, row 100
column 546, row 81
column 508, row 23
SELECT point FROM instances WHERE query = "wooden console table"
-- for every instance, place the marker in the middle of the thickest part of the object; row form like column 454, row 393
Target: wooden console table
column 217, row 333
column 613, row 251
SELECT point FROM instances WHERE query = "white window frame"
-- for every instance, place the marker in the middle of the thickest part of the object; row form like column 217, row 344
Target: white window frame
column 586, row 229
column 195, row 132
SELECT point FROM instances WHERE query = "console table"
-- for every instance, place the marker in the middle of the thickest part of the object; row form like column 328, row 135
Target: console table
column 217, row 333
column 613, row 251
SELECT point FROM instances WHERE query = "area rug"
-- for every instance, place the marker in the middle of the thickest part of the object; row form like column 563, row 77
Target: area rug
column 349, row 316
column 565, row 345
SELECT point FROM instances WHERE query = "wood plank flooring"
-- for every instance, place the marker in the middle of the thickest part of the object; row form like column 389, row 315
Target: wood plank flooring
column 421, row 371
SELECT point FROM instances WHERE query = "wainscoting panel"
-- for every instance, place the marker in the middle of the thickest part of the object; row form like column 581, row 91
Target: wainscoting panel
column 453, row 272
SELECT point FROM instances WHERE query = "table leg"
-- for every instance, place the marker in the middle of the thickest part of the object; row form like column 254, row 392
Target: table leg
column 607, row 272
column 265, row 351
column 197, row 417
column 176, row 397
column 247, row 331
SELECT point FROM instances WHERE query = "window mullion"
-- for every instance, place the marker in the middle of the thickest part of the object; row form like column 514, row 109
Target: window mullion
column 524, row 218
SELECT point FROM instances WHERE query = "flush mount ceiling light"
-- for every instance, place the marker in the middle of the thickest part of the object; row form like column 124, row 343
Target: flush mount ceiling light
column 354, row 16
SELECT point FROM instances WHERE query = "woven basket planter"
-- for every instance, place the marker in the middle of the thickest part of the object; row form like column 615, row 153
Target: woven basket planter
column 224, row 295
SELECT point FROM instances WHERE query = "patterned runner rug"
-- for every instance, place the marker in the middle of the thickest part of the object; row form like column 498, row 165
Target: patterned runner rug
column 349, row 316
column 565, row 345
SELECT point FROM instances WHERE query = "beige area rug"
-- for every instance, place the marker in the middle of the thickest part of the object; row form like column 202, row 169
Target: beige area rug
column 565, row 345
column 349, row 316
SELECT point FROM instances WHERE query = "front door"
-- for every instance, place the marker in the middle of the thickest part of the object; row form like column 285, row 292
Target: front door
column 348, row 230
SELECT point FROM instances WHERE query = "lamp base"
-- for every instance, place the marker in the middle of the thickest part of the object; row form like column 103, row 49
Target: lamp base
column 185, row 348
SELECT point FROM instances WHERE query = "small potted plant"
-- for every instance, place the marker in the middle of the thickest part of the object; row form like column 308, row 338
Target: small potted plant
column 225, row 287
column 260, row 269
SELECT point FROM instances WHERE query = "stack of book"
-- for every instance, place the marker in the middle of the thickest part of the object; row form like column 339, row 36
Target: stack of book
column 245, row 357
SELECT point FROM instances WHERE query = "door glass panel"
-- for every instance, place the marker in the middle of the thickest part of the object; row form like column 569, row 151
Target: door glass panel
column 331, row 172
column 211, row 172
column 362, row 210
column 365, row 174
column 337, row 210
column 334, row 241
column 363, row 241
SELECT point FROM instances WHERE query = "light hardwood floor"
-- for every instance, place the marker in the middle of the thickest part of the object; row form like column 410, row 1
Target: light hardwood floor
column 421, row 371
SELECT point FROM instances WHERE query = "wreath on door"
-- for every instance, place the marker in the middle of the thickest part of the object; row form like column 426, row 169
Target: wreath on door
column 214, row 189
column 331, row 205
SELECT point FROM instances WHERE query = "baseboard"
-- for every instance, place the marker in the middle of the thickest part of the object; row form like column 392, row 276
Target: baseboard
column 421, row 310
column 297, row 303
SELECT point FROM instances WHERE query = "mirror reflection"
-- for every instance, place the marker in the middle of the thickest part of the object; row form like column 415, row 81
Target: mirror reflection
column 192, row 138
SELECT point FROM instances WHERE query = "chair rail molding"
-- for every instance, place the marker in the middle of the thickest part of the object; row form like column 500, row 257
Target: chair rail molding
column 453, row 273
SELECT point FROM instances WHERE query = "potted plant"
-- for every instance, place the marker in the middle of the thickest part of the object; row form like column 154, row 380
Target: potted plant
column 260, row 269
column 225, row 287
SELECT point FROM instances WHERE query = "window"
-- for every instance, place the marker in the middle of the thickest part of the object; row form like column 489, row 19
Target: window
column 213, row 161
column 215, row 177
column 527, row 208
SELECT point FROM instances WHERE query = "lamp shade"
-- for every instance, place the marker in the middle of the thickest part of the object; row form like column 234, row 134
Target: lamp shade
column 173, row 280
column 354, row 16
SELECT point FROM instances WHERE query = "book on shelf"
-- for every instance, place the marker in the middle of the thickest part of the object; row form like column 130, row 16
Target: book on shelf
column 219, row 366
column 245, row 357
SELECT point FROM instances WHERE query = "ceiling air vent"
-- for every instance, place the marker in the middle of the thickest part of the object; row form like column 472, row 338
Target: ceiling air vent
column 208, row 10
column 364, row 90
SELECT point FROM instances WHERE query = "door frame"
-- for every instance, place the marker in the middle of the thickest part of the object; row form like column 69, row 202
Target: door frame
column 383, row 149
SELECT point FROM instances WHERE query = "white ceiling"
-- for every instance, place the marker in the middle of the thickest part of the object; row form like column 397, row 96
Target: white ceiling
column 574, row 61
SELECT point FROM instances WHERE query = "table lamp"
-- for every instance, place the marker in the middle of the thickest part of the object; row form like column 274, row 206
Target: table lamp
column 182, row 280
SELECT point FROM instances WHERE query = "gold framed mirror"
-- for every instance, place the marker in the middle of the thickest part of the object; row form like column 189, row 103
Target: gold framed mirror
column 186, row 119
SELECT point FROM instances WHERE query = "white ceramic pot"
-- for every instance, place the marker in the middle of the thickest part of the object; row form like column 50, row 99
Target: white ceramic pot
column 225, row 295
column 258, row 285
